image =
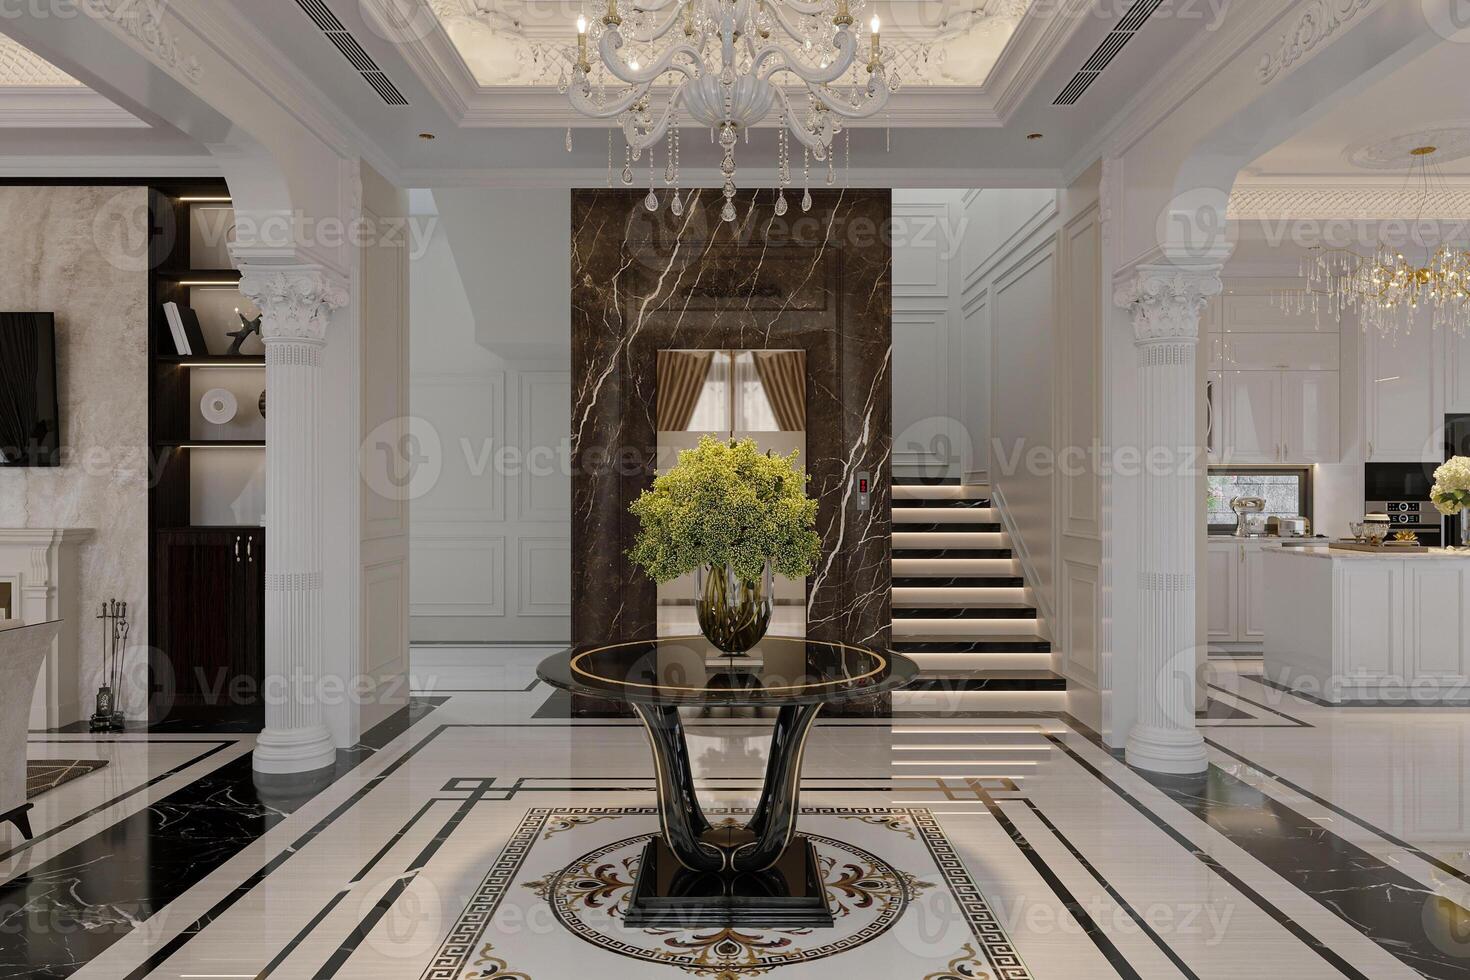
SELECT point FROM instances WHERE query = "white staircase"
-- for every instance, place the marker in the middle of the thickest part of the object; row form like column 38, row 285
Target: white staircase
column 961, row 607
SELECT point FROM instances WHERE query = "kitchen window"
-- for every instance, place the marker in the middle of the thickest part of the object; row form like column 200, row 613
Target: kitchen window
column 1287, row 492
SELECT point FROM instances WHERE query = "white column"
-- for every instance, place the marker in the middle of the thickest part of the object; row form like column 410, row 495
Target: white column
column 296, row 303
column 1165, row 303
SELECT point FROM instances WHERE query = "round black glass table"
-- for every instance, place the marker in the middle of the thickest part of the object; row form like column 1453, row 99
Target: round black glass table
column 696, row 873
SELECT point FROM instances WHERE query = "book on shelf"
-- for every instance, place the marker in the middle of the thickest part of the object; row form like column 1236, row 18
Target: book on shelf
column 183, row 325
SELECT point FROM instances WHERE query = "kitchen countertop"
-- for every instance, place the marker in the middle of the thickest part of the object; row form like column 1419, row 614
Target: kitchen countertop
column 1440, row 554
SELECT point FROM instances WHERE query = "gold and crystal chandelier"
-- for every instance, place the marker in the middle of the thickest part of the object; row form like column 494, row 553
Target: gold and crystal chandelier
column 726, row 65
column 1387, row 288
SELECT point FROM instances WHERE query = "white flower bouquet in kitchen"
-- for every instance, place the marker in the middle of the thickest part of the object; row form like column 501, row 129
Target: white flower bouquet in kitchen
column 1451, row 490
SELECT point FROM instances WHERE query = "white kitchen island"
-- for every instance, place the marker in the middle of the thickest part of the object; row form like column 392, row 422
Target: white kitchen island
column 1352, row 626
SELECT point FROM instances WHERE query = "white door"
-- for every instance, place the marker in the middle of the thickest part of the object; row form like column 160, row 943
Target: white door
column 1252, row 592
column 1310, row 417
column 1253, row 417
column 1220, row 561
column 1400, row 391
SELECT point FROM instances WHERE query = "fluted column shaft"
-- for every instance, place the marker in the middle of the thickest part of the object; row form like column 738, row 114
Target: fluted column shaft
column 1165, row 303
column 296, row 305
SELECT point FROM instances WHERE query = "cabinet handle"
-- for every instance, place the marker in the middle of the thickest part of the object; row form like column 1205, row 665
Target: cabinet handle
column 237, row 549
column 1242, row 554
column 250, row 549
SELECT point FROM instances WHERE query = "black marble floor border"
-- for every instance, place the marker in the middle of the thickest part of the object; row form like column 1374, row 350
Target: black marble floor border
column 1297, row 722
column 219, row 746
column 1210, row 861
column 1107, row 886
column 69, row 908
column 1427, row 858
column 1404, row 702
column 1378, row 900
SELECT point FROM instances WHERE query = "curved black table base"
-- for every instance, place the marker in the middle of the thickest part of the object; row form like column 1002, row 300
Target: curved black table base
column 688, row 833
column 694, row 873
column 697, row 874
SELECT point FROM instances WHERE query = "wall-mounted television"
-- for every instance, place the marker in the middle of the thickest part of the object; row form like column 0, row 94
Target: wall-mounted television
column 30, row 411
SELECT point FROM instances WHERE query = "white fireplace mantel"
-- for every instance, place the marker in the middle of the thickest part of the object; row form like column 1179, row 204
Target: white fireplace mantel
column 41, row 567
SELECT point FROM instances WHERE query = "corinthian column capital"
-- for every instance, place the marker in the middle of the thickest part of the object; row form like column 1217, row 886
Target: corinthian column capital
column 1165, row 301
column 295, row 304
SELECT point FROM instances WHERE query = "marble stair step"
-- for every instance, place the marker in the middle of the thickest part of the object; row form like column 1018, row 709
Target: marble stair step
column 990, row 679
column 947, row 515
column 947, row 492
column 940, row 663
column 964, row 644
column 951, row 540
column 1018, row 629
column 942, row 504
column 960, row 597
column 904, row 567
column 974, row 614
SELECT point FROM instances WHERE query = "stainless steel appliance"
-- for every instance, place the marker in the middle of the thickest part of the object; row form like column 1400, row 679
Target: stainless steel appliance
column 1250, row 522
column 1400, row 491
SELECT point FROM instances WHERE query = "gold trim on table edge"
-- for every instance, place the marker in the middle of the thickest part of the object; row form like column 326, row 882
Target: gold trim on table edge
column 572, row 665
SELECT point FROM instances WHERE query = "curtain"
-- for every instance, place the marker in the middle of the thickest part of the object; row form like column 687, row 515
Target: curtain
column 783, row 374
column 19, row 352
column 681, row 375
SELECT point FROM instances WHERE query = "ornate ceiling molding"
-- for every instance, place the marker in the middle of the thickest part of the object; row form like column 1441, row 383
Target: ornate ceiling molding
column 1451, row 142
column 143, row 22
column 21, row 67
column 1360, row 201
column 1314, row 25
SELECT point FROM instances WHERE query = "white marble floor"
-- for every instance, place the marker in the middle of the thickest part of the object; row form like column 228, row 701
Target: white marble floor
column 1324, row 842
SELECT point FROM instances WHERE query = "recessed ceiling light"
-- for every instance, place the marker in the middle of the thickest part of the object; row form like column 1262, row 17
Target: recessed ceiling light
column 427, row 136
column 1034, row 136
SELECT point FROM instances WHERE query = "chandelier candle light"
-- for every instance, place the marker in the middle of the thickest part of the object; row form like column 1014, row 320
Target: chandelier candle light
column 727, row 64
column 1387, row 288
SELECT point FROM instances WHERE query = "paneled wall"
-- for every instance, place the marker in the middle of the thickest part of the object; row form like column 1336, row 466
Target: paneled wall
column 930, row 410
column 491, row 559
column 383, row 608
column 1029, row 305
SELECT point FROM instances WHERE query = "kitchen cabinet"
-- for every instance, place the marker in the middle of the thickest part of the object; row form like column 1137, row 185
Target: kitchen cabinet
column 209, row 626
column 1281, row 417
column 1236, row 590
column 1253, row 417
column 1220, row 580
column 1402, row 397
column 1310, row 417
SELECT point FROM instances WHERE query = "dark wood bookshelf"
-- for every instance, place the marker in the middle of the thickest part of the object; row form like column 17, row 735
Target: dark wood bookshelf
column 206, row 582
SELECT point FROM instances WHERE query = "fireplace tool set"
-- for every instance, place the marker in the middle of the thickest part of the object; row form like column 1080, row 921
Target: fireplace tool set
column 108, row 716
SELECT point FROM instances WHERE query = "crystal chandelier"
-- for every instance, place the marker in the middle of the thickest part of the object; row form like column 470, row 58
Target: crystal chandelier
column 726, row 65
column 1387, row 288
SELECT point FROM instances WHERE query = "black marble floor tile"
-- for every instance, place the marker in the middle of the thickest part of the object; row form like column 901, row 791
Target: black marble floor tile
column 66, row 910
column 1394, row 910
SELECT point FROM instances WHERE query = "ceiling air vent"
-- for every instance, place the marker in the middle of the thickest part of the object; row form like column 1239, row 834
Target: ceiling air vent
column 352, row 51
column 1120, row 35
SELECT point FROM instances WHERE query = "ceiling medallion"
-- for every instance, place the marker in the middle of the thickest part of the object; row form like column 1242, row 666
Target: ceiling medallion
column 1387, row 288
column 727, row 65
column 1445, row 144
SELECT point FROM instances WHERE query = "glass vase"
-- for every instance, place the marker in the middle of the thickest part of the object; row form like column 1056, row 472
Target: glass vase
column 733, row 614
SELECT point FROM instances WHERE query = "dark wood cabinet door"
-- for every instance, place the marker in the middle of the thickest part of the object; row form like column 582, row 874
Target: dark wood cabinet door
column 209, row 622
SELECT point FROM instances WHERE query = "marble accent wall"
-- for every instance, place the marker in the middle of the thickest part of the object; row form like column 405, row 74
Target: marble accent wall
column 81, row 253
column 819, row 281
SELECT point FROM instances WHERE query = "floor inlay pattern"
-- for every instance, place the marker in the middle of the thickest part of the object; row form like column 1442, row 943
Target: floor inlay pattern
column 896, row 898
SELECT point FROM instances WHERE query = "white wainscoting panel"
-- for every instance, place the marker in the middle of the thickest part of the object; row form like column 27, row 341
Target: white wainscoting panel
column 457, row 576
column 545, row 426
column 468, row 413
column 545, row 576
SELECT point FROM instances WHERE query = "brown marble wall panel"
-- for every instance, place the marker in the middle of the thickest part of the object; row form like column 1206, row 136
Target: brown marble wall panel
column 820, row 281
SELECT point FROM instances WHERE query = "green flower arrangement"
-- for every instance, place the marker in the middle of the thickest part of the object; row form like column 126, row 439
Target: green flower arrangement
column 1451, row 490
column 727, row 504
